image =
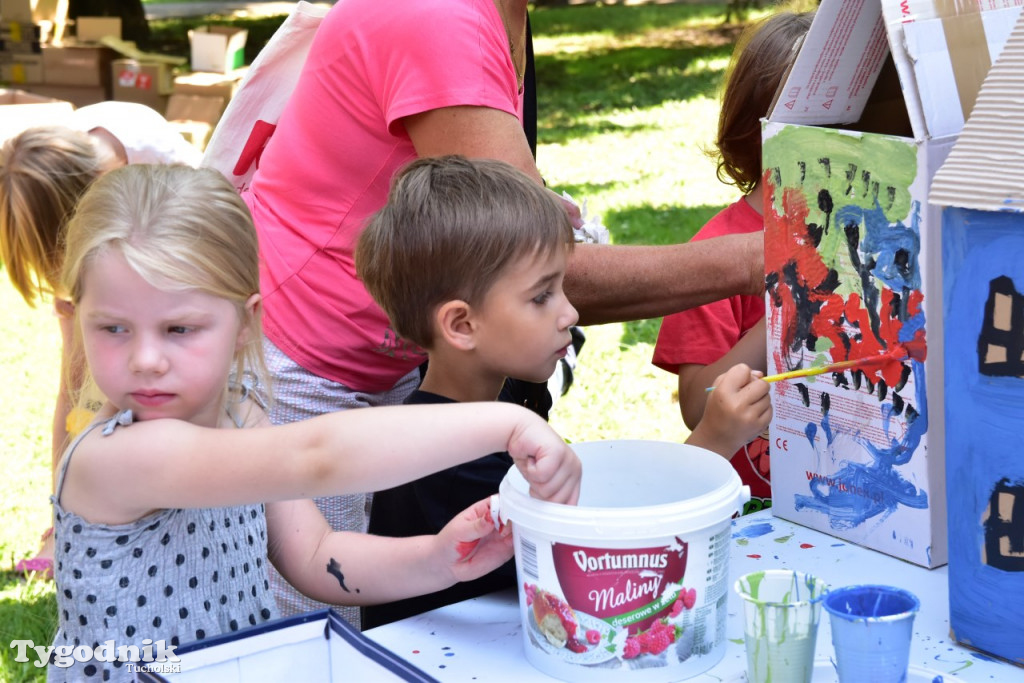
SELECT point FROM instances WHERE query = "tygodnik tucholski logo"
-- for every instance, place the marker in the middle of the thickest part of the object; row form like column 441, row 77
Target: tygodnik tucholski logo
column 157, row 657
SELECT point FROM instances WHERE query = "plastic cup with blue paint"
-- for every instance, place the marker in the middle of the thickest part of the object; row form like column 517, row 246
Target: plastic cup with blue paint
column 781, row 610
column 871, row 632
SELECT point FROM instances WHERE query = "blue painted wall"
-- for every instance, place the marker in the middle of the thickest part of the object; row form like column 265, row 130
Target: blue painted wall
column 984, row 429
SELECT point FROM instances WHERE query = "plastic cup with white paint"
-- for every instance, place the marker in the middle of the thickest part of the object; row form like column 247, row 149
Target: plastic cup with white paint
column 781, row 610
column 871, row 632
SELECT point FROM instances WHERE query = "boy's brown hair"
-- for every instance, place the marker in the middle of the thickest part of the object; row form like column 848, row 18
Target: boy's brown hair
column 43, row 173
column 449, row 229
column 761, row 58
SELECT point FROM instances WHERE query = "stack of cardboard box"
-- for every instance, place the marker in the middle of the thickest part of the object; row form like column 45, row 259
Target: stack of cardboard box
column 199, row 98
column 142, row 77
column 25, row 27
column 873, row 103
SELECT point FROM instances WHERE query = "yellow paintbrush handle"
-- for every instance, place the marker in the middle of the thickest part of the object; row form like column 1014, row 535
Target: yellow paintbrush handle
column 820, row 370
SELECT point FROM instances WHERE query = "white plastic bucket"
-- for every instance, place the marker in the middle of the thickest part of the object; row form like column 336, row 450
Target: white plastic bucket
column 631, row 584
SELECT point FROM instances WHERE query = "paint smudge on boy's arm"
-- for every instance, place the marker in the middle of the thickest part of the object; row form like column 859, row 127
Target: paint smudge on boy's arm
column 465, row 548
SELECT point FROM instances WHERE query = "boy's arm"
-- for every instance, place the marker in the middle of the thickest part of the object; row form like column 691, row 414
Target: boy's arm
column 737, row 410
column 351, row 568
column 694, row 379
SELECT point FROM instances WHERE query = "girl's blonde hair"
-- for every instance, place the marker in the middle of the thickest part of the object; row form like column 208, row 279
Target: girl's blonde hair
column 177, row 227
column 43, row 173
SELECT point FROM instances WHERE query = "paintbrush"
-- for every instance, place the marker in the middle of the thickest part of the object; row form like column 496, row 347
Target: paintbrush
column 898, row 354
column 822, row 369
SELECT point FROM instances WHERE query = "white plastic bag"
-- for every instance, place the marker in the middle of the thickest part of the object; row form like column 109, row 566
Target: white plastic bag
column 252, row 114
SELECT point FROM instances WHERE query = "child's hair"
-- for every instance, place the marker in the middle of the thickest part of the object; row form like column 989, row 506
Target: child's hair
column 179, row 228
column 449, row 229
column 43, row 172
column 761, row 58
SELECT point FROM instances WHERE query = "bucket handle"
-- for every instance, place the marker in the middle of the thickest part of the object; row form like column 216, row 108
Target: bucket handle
column 495, row 511
column 744, row 496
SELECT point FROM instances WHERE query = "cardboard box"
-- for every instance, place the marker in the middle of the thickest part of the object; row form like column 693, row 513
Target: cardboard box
column 78, row 95
column 853, row 265
column 316, row 646
column 21, row 69
column 30, row 11
column 15, row 31
column 981, row 186
column 195, row 116
column 902, row 14
column 94, row 29
column 217, row 48
column 24, row 16
column 76, row 64
column 20, row 110
column 957, row 50
column 31, row 47
column 210, row 84
column 143, row 82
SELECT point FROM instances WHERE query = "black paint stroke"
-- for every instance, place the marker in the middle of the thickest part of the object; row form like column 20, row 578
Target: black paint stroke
column 997, row 528
column 334, row 569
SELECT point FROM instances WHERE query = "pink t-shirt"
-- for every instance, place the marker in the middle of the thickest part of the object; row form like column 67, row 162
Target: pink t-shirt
column 329, row 165
column 704, row 334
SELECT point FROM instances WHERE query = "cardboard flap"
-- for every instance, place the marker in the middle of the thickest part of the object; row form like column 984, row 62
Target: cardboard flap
column 131, row 51
column 900, row 15
column 985, row 170
column 837, row 66
column 951, row 57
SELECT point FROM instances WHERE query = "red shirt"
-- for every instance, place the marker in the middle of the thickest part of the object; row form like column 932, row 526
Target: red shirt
column 703, row 335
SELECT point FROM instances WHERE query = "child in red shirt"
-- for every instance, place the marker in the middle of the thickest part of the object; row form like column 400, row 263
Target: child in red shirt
column 701, row 343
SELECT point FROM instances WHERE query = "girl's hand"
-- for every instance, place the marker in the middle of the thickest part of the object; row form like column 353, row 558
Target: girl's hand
column 469, row 545
column 546, row 462
column 737, row 410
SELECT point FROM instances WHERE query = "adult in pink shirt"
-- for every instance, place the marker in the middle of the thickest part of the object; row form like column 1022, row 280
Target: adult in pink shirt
column 384, row 83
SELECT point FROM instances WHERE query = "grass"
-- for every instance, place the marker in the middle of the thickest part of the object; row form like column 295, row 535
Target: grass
column 627, row 102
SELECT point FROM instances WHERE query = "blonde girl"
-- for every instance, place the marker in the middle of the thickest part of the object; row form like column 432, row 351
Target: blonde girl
column 169, row 505
column 43, row 172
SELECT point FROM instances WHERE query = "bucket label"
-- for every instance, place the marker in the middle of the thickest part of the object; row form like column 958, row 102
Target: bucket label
column 627, row 588
column 661, row 604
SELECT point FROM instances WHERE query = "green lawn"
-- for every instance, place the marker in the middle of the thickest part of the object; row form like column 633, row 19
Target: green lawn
column 627, row 100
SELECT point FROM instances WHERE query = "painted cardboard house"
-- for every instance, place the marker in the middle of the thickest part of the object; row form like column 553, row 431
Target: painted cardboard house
column 867, row 114
column 982, row 187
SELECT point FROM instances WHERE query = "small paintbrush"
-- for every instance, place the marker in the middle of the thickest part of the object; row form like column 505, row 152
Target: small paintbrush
column 834, row 367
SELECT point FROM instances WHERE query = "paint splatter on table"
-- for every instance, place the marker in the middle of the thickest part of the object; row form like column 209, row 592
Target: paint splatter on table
column 481, row 639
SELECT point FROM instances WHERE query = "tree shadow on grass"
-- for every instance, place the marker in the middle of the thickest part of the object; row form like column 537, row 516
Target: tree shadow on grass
column 575, row 90
column 620, row 19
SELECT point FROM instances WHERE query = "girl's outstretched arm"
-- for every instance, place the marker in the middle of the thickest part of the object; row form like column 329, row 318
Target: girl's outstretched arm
column 349, row 568
column 176, row 464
